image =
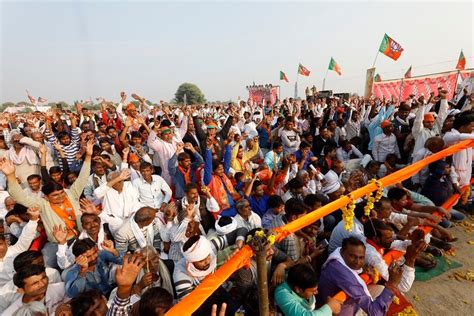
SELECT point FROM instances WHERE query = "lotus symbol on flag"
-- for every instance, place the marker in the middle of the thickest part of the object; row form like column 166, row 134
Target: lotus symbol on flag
column 395, row 46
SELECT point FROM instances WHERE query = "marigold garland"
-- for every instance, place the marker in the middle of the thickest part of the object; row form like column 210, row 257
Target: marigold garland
column 376, row 276
column 261, row 233
column 371, row 199
column 348, row 214
column 408, row 311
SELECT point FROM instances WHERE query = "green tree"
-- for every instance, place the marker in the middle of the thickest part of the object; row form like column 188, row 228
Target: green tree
column 192, row 92
column 6, row 105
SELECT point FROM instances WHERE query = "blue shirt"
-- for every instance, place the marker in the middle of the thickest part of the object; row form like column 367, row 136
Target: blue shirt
column 299, row 155
column 263, row 138
column 374, row 126
column 259, row 206
column 339, row 233
column 268, row 218
column 99, row 279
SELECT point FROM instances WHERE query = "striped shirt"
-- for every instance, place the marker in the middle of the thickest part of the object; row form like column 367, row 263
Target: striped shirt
column 70, row 150
column 185, row 283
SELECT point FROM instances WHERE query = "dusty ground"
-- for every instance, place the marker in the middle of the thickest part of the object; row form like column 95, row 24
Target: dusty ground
column 445, row 296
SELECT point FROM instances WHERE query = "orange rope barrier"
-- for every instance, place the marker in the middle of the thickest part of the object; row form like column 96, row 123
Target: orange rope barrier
column 391, row 179
column 392, row 255
column 191, row 303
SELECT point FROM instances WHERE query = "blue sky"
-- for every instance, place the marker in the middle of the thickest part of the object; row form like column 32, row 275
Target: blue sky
column 65, row 50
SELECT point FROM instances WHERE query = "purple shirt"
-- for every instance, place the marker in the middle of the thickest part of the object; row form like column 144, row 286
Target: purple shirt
column 335, row 278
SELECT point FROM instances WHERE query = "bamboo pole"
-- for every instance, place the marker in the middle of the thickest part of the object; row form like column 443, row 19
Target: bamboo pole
column 263, row 301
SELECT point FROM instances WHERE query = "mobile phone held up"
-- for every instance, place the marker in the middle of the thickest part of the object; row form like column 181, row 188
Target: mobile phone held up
column 323, row 243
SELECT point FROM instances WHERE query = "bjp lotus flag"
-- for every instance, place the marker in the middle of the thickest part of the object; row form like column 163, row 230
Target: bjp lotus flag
column 302, row 70
column 390, row 48
column 408, row 73
column 461, row 62
column 283, row 76
column 335, row 66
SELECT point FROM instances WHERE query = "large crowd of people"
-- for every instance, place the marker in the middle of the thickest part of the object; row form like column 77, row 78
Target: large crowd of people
column 126, row 210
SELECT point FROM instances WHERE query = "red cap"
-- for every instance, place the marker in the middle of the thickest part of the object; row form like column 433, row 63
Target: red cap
column 130, row 106
column 428, row 117
column 385, row 123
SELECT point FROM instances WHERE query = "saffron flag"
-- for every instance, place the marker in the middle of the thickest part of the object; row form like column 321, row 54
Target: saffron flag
column 335, row 66
column 302, row 70
column 283, row 76
column 390, row 48
column 41, row 100
column 377, row 78
column 461, row 62
column 408, row 73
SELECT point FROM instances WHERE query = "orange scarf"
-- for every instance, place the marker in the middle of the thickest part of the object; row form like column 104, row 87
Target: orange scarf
column 218, row 192
column 186, row 174
column 67, row 214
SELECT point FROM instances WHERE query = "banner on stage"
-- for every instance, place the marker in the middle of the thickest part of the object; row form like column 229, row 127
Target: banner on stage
column 421, row 85
column 261, row 94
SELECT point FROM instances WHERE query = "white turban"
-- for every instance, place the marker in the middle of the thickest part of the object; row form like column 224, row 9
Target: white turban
column 331, row 187
column 331, row 176
column 224, row 230
column 199, row 251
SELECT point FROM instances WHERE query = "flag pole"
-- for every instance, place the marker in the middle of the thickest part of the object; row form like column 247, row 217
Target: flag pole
column 400, row 94
column 375, row 60
column 456, row 84
column 296, row 85
column 324, row 80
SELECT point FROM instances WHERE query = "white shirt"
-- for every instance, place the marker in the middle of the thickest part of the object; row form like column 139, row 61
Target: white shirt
column 235, row 129
column 23, row 243
column 254, row 221
column 462, row 160
column 117, row 207
column 251, row 129
column 53, row 298
column 420, row 133
column 89, row 188
column 9, row 292
column 343, row 155
column 373, row 258
column 398, row 219
column 340, row 133
column 384, row 145
column 421, row 176
column 290, row 140
column 153, row 194
column 166, row 150
column 38, row 194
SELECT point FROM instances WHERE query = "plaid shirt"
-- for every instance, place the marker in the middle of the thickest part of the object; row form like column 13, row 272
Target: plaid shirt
column 289, row 245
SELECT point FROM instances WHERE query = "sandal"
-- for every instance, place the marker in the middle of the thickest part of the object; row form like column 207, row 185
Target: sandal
column 434, row 251
column 425, row 262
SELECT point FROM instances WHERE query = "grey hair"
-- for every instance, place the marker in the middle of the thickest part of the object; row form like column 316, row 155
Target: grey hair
column 33, row 308
column 112, row 175
column 143, row 214
column 7, row 198
column 302, row 173
column 240, row 203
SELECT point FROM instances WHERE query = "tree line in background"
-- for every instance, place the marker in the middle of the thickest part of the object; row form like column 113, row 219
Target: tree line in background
column 188, row 92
